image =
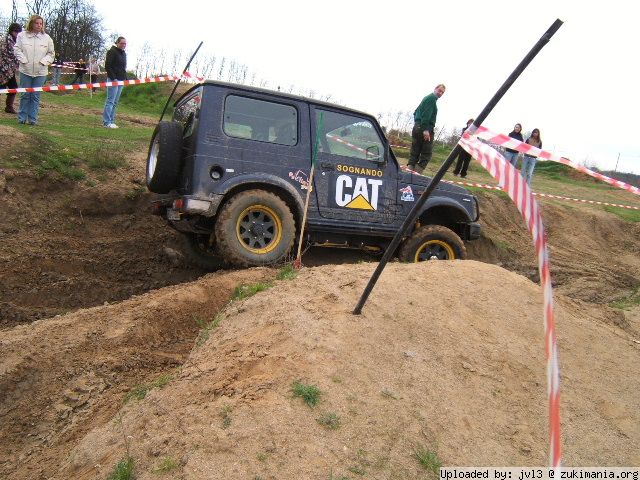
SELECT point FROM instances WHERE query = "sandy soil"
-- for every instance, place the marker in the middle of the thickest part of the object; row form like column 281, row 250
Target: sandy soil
column 460, row 373
column 96, row 300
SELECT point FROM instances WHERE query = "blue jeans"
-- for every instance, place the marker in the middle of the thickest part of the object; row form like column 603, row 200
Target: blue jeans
column 512, row 157
column 30, row 102
column 113, row 97
column 528, row 165
column 55, row 79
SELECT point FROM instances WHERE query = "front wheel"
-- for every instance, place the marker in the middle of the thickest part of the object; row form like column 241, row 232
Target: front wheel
column 255, row 228
column 432, row 242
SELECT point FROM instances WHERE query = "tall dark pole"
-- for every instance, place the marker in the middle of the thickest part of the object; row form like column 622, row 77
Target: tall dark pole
column 178, row 82
column 413, row 214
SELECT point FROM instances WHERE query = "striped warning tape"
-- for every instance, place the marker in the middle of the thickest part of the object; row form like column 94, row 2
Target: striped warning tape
column 506, row 141
column 547, row 195
column 84, row 86
column 510, row 180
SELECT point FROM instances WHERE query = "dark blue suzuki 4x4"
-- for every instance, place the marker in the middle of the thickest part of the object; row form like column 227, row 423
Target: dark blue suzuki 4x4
column 233, row 167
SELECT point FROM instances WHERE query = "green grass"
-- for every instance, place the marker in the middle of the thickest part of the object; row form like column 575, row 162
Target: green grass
column 167, row 464
column 428, row 460
column 288, row 272
column 309, row 393
column 124, row 470
column 207, row 327
column 139, row 392
column 626, row 214
column 245, row 291
column 630, row 301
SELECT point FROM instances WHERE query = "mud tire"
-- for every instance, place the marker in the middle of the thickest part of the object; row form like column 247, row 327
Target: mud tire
column 432, row 242
column 255, row 228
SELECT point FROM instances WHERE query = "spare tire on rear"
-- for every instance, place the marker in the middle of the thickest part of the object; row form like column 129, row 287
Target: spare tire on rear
column 165, row 157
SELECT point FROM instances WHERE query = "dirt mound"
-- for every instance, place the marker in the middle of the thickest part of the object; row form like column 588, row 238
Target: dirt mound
column 447, row 357
column 62, row 377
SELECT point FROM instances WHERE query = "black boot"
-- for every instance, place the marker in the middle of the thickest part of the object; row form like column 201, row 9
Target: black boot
column 10, row 98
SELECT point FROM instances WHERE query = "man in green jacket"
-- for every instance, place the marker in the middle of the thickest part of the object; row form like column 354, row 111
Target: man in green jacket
column 422, row 133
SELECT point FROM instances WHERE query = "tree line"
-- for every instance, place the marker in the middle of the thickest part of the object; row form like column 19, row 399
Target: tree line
column 75, row 27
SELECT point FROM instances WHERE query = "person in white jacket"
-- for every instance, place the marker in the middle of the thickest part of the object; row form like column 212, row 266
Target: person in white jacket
column 34, row 50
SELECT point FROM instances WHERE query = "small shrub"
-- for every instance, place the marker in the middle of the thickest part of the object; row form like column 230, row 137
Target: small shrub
column 226, row 416
column 207, row 328
column 124, row 470
column 329, row 420
column 428, row 459
column 309, row 393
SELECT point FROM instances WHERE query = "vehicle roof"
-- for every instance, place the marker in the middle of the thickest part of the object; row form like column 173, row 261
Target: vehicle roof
column 275, row 93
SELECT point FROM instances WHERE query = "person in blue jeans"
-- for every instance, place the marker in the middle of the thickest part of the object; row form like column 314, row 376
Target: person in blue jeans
column 116, row 67
column 529, row 161
column 34, row 50
column 510, row 154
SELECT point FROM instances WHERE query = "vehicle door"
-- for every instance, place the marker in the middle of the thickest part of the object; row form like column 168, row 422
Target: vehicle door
column 354, row 179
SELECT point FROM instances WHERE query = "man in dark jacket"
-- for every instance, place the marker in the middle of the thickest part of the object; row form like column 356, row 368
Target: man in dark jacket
column 422, row 133
column 116, row 66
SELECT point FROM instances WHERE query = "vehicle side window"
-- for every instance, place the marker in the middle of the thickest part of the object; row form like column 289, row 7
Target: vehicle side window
column 187, row 112
column 260, row 120
column 349, row 136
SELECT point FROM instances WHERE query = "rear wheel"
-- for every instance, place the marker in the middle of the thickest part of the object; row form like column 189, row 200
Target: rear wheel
column 199, row 249
column 164, row 157
column 255, row 228
column 432, row 242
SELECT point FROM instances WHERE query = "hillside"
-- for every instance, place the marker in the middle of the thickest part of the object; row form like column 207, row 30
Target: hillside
column 113, row 345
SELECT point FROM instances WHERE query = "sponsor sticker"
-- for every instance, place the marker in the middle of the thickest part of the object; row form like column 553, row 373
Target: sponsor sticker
column 359, row 193
column 407, row 194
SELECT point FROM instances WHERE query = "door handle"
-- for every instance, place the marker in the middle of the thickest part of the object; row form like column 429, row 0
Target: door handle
column 327, row 165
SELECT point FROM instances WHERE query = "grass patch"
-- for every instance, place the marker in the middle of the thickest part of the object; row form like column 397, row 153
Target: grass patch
column 167, row 464
column 245, row 291
column 309, row 393
column 626, row 214
column 502, row 245
column 428, row 460
column 207, row 327
column 329, row 420
column 140, row 391
column 226, row 416
column 124, row 470
column 288, row 272
column 627, row 303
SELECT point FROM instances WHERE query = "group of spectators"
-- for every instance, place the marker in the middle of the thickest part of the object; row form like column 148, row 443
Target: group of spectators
column 422, row 140
column 25, row 57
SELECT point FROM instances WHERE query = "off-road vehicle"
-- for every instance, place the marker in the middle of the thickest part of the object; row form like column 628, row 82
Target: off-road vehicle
column 233, row 169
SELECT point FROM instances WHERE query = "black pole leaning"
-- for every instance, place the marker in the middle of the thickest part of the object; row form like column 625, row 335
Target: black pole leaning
column 178, row 82
column 413, row 214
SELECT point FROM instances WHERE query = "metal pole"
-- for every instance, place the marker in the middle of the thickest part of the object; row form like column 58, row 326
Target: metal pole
column 178, row 82
column 413, row 214
column 616, row 169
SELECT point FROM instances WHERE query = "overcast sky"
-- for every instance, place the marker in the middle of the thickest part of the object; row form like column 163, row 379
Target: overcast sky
column 581, row 91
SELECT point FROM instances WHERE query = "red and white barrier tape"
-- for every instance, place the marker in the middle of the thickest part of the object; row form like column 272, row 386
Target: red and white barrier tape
column 350, row 145
column 549, row 195
column 84, row 86
column 510, row 180
column 512, row 143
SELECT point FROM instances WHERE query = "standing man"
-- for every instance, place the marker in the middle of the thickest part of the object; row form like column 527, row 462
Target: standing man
column 422, row 133
column 116, row 67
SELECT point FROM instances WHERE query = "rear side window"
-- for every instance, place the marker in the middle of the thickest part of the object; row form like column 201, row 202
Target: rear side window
column 260, row 120
column 187, row 112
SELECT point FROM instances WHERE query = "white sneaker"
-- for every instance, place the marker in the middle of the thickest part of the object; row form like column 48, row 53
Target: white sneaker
column 112, row 125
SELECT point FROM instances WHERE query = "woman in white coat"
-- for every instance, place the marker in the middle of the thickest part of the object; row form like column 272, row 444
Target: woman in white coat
column 34, row 50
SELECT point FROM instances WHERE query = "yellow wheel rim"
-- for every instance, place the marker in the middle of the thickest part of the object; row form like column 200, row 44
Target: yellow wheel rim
column 434, row 250
column 259, row 229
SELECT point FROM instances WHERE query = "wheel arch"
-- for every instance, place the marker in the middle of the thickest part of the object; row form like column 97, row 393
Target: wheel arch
column 270, row 184
column 445, row 212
